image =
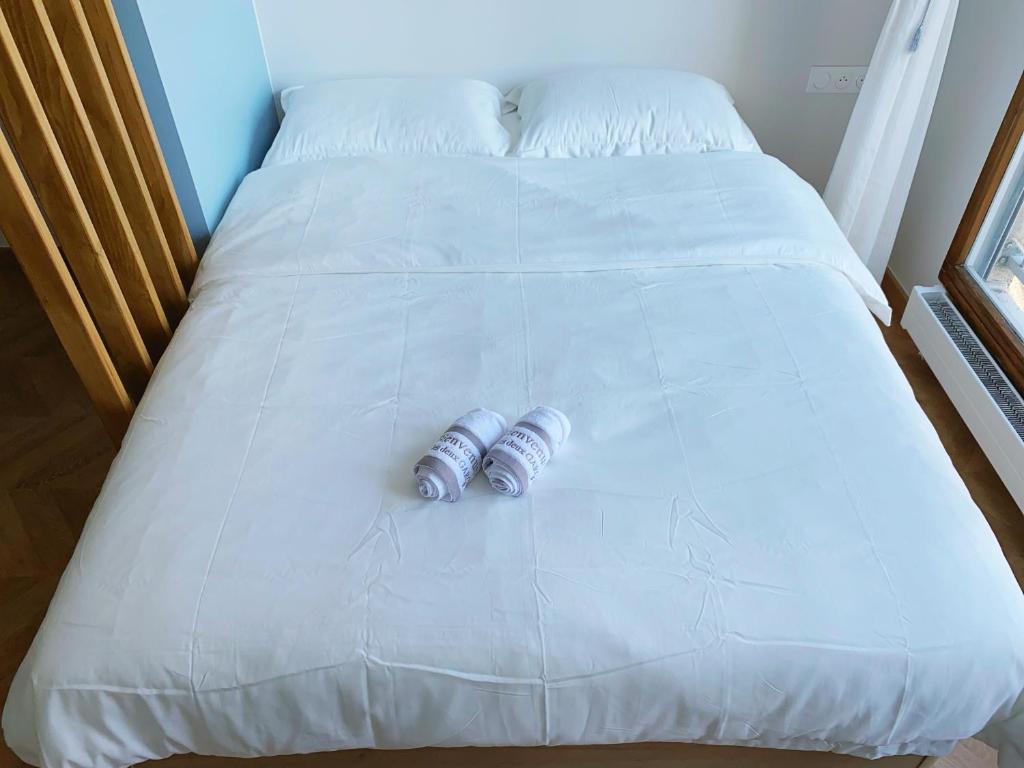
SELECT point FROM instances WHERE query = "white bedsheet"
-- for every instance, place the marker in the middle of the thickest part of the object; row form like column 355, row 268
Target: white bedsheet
column 753, row 535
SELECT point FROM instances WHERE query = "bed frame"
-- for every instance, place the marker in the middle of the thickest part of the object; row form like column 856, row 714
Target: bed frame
column 608, row 756
column 86, row 201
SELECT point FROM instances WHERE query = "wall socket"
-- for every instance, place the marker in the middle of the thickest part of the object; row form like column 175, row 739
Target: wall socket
column 836, row 79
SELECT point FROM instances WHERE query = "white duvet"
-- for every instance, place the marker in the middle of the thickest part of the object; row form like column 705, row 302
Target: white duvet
column 752, row 537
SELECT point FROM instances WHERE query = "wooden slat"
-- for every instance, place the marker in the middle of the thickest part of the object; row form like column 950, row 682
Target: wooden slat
column 49, row 73
column 125, row 85
column 83, row 60
column 25, row 228
column 32, row 137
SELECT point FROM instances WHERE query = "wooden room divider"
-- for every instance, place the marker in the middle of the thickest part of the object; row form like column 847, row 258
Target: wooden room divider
column 86, row 201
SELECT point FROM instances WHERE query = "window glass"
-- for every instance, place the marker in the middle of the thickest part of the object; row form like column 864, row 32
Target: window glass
column 997, row 260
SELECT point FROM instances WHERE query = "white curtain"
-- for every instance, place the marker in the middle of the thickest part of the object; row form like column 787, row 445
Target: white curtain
column 868, row 189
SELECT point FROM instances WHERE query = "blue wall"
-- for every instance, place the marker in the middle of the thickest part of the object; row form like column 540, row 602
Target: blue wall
column 204, row 76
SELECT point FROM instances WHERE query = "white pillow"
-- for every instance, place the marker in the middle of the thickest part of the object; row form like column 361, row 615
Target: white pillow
column 409, row 116
column 603, row 112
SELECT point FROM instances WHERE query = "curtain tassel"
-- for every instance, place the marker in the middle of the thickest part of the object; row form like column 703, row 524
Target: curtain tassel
column 915, row 42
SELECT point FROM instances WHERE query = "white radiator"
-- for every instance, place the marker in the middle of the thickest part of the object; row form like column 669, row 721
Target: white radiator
column 988, row 403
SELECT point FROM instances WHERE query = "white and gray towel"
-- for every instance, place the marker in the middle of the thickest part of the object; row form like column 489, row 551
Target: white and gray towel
column 446, row 469
column 522, row 452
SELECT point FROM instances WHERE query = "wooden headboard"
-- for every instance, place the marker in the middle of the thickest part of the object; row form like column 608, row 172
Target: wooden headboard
column 85, row 198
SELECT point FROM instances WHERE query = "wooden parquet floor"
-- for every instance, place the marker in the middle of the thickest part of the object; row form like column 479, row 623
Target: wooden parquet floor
column 54, row 455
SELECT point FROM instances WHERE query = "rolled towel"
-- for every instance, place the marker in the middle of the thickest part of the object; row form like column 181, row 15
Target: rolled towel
column 523, row 451
column 446, row 469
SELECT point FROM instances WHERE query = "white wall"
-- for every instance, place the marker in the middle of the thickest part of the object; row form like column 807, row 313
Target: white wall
column 205, row 80
column 985, row 62
column 761, row 50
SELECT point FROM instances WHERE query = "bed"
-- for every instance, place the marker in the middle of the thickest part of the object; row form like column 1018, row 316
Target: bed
column 730, row 549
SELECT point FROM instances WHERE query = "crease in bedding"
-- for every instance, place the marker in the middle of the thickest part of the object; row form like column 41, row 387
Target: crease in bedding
column 729, row 549
column 519, row 216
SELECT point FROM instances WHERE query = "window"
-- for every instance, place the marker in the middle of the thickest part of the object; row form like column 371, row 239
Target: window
column 984, row 272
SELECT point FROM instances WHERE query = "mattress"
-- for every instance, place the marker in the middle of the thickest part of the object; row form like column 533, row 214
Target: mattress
column 752, row 537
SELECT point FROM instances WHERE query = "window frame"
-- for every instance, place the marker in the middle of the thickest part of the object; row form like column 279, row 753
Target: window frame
column 1003, row 342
